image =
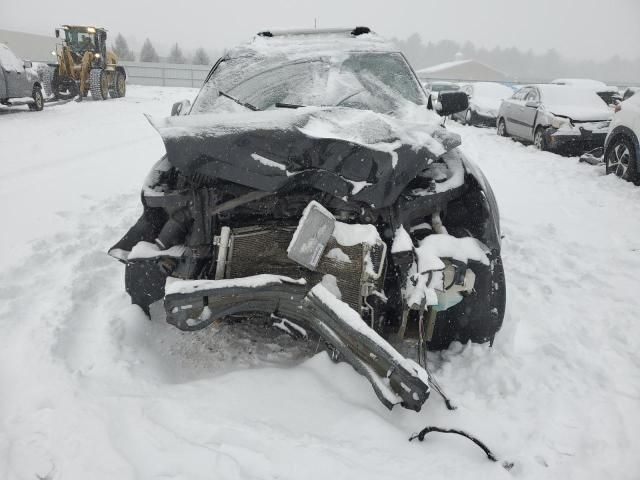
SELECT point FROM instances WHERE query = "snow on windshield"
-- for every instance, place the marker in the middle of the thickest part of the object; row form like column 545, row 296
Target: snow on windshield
column 378, row 81
column 9, row 61
column 566, row 95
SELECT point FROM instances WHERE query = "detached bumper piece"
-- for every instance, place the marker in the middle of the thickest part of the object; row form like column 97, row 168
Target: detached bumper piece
column 195, row 304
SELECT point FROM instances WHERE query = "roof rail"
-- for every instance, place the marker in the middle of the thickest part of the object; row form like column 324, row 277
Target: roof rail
column 318, row 31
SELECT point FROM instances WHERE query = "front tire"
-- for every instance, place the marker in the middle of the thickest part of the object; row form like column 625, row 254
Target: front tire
column 502, row 128
column 99, row 83
column 539, row 141
column 469, row 117
column 478, row 317
column 622, row 159
column 38, row 100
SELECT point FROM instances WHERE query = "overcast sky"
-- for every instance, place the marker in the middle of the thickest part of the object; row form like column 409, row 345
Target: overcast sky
column 583, row 29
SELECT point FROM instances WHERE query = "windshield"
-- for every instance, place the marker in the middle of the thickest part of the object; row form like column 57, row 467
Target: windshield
column 80, row 41
column 375, row 81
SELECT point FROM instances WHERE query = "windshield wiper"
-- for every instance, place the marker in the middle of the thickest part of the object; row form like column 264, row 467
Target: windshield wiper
column 288, row 105
column 243, row 104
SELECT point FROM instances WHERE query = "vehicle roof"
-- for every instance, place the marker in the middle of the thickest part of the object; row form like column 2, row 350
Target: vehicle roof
column 305, row 43
column 83, row 27
column 585, row 82
column 554, row 87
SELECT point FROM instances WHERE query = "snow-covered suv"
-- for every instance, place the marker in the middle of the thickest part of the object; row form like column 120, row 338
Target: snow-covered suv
column 622, row 145
column 19, row 83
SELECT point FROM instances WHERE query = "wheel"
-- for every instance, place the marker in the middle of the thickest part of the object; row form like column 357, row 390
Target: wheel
column 469, row 117
column 118, row 86
column 38, row 100
column 99, row 83
column 502, row 128
column 539, row 141
column 621, row 159
column 478, row 317
column 63, row 87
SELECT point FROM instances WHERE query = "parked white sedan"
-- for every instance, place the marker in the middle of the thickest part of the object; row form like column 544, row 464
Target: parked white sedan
column 622, row 146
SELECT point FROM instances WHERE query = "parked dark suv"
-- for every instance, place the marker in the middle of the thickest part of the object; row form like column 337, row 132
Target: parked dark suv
column 309, row 184
column 19, row 83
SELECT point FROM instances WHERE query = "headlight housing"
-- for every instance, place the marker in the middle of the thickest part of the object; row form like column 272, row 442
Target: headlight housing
column 559, row 122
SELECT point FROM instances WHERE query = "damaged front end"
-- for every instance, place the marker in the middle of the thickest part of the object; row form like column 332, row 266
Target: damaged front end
column 378, row 249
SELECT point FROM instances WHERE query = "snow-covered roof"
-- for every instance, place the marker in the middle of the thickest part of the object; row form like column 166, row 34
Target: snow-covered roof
column 9, row 61
column 462, row 70
column 443, row 66
column 301, row 44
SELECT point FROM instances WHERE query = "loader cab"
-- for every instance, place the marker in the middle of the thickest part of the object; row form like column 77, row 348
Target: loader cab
column 81, row 39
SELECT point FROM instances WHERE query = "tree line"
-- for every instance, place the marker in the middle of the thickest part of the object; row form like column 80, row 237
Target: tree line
column 148, row 53
column 521, row 65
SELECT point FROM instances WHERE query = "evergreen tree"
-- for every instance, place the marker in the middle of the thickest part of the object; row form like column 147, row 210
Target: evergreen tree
column 148, row 53
column 121, row 49
column 175, row 55
column 201, row 57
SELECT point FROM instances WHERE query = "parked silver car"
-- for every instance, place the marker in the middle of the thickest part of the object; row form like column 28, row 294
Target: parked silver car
column 19, row 83
column 555, row 117
column 484, row 101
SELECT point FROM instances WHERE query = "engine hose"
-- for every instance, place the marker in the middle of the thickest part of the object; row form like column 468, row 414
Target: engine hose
column 490, row 455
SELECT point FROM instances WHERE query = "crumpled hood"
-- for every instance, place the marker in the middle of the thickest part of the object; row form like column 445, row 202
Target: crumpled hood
column 360, row 154
column 581, row 113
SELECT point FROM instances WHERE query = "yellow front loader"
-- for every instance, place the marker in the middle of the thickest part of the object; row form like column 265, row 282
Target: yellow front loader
column 84, row 65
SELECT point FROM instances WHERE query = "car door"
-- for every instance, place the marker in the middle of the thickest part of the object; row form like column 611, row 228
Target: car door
column 3, row 84
column 15, row 75
column 515, row 113
column 530, row 113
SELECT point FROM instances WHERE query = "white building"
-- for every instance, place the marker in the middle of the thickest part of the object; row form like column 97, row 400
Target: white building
column 463, row 70
column 29, row 46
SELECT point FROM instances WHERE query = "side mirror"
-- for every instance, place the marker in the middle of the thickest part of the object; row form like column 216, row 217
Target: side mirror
column 451, row 102
column 28, row 64
column 57, row 33
column 180, row 108
column 532, row 104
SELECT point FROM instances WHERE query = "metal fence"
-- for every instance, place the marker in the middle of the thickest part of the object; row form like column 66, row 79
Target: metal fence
column 166, row 74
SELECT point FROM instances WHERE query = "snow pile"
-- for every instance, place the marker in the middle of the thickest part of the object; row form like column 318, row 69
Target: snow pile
column 151, row 250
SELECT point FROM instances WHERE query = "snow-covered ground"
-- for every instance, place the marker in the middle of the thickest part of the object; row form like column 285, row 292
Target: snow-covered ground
column 91, row 389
